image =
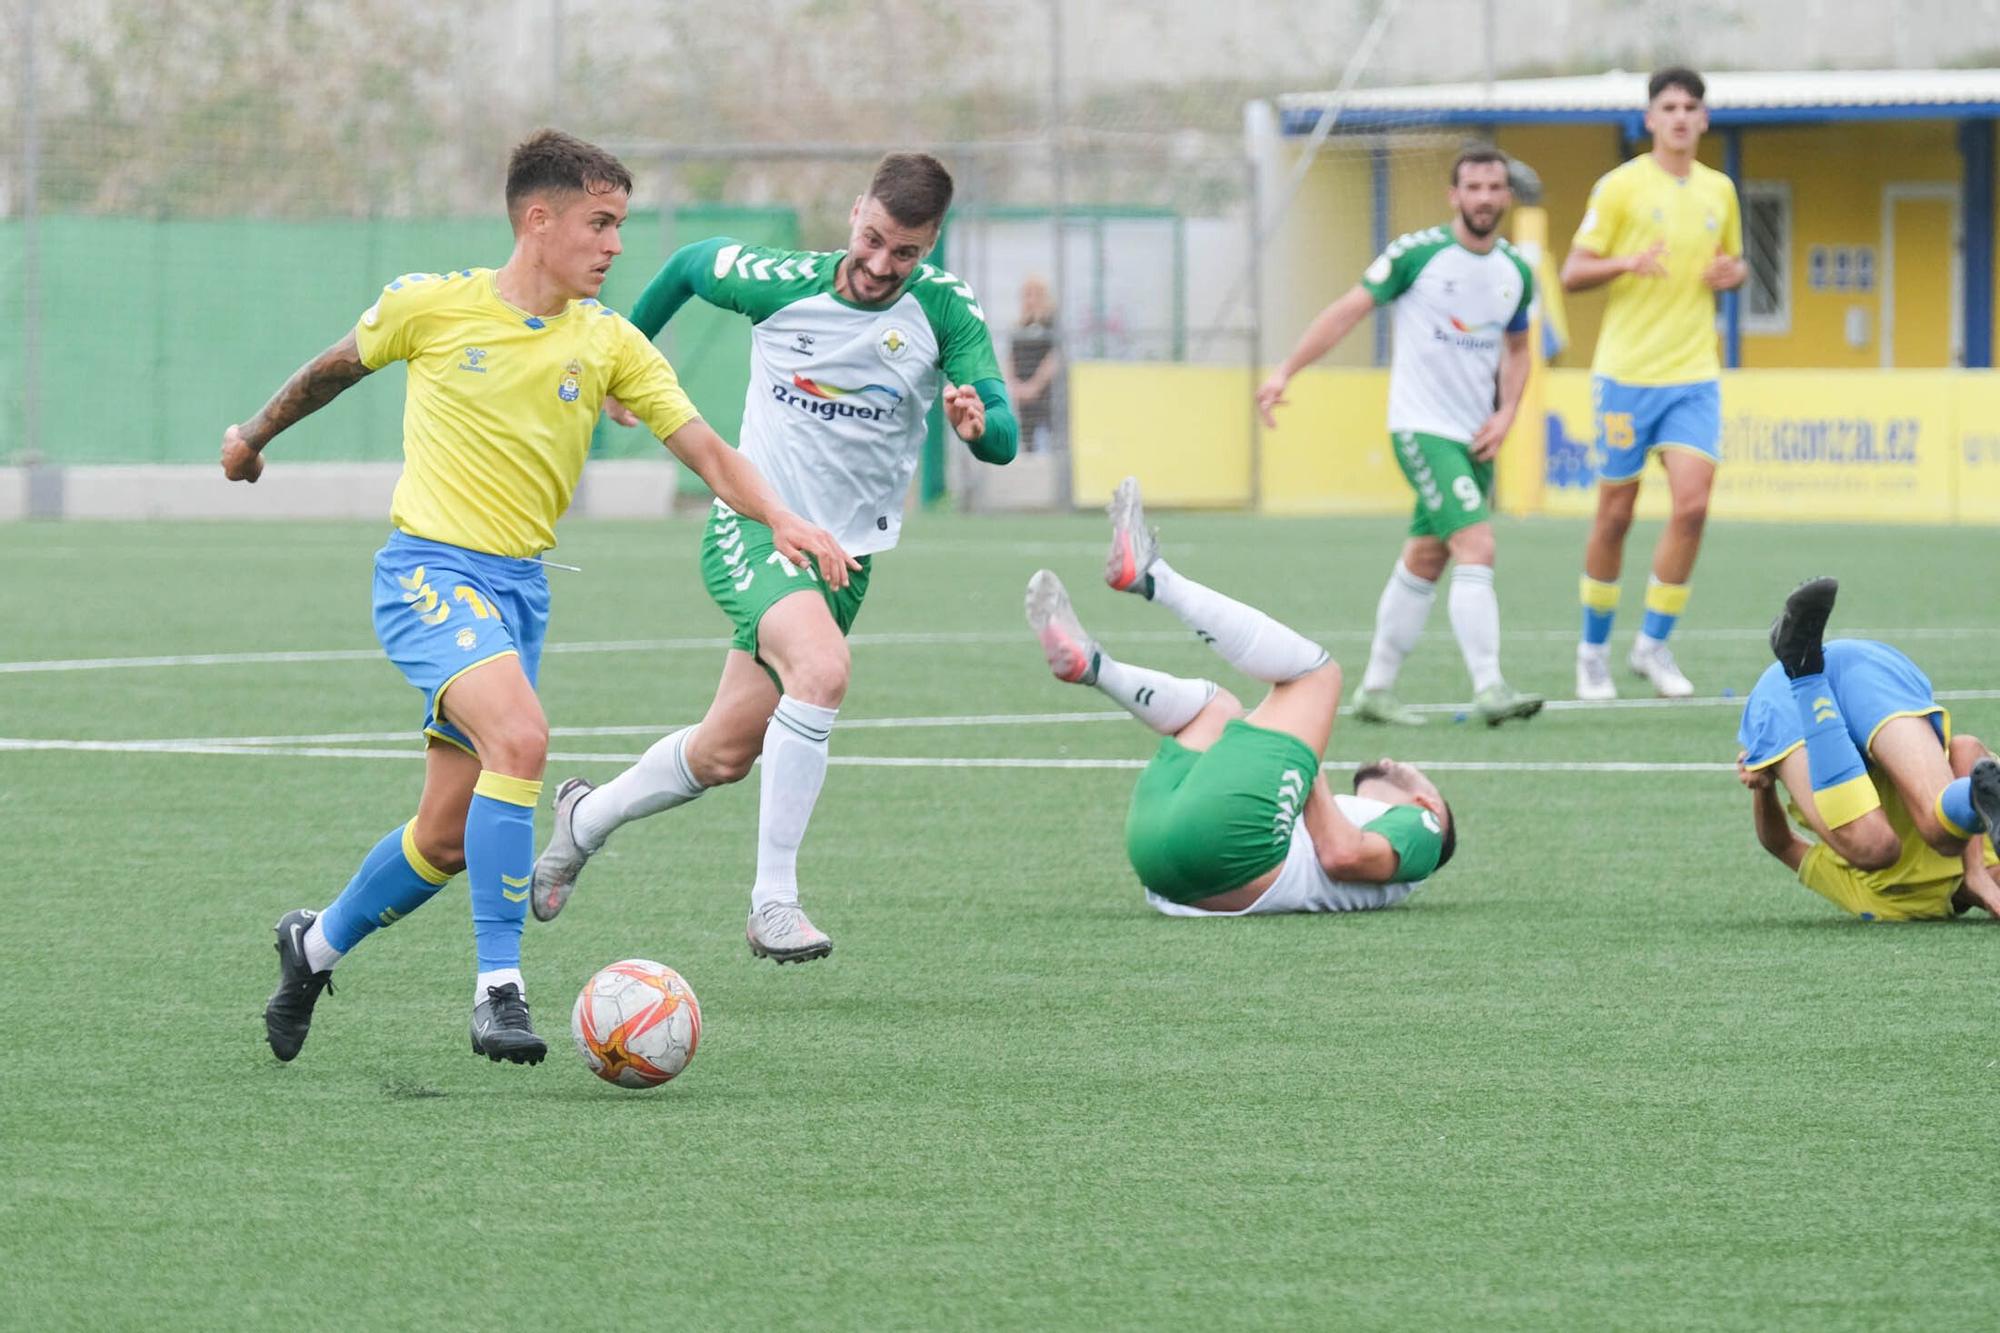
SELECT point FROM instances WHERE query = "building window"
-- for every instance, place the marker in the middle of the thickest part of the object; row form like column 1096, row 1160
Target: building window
column 1767, row 248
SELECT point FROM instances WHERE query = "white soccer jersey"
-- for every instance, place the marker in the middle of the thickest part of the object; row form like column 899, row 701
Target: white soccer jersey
column 834, row 416
column 1303, row 885
column 1451, row 308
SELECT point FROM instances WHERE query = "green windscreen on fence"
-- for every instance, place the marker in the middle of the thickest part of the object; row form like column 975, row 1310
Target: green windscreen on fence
column 156, row 335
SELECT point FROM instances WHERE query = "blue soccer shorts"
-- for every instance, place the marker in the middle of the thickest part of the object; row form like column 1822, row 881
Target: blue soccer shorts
column 442, row 610
column 1635, row 419
column 1872, row 683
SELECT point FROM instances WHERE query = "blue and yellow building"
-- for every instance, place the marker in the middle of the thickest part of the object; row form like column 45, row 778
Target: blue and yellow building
column 1859, row 352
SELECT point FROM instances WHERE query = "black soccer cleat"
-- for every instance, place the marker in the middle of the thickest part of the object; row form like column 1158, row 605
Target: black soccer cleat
column 501, row 1030
column 1798, row 635
column 288, row 1013
column 1986, row 795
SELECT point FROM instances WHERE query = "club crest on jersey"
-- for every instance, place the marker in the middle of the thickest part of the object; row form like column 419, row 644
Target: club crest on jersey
column 570, row 389
column 893, row 343
column 468, row 638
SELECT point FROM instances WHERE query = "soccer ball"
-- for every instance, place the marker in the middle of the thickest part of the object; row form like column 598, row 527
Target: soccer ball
column 637, row 1023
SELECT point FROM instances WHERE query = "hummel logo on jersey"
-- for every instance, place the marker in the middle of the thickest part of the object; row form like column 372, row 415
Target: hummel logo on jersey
column 803, row 344
column 473, row 356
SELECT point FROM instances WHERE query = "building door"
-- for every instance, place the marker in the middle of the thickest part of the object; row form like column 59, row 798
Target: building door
column 1921, row 283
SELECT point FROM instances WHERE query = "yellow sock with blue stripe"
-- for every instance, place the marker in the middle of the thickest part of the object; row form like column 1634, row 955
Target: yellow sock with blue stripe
column 1664, row 604
column 394, row 880
column 500, row 860
column 1955, row 810
column 1600, row 606
column 1840, row 784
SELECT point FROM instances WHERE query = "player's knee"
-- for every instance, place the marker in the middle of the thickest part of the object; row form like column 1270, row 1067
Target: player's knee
column 820, row 677
column 1869, row 844
column 518, row 747
column 721, row 764
column 1325, row 676
column 442, row 848
column 1473, row 546
column 1691, row 513
column 1426, row 558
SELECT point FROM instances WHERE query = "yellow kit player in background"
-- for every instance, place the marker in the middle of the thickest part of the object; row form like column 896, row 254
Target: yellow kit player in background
column 508, row 369
column 1665, row 232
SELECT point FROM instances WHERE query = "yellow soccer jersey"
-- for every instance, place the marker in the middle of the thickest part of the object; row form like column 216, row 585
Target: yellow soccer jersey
column 1917, row 888
column 501, row 405
column 1660, row 330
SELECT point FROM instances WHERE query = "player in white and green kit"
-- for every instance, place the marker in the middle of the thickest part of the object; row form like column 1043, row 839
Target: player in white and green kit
column 848, row 351
column 1232, row 817
column 1460, row 296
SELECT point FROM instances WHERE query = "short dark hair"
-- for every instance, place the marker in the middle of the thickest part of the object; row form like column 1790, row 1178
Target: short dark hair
column 914, row 187
column 1676, row 76
column 1476, row 153
column 551, row 161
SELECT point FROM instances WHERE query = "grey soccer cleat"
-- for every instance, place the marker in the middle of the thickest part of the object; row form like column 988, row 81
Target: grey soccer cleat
column 1071, row 652
column 1134, row 546
column 781, row 933
column 288, row 1013
column 501, row 1030
column 562, row 860
column 1503, row 703
column 1384, row 708
column 1798, row 636
column 1986, row 796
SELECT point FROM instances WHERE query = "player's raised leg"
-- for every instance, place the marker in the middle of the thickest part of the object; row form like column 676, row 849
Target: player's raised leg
column 1247, row 639
column 586, row 815
column 1842, row 794
column 403, row 871
column 495, row 705
column 1164, row 702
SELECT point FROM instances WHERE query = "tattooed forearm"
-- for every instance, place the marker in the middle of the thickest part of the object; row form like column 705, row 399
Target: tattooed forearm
column 317, row 383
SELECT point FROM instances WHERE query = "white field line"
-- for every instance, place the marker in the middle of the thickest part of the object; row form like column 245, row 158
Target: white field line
column 969, row 638
column 657, row 729
column 844, row 761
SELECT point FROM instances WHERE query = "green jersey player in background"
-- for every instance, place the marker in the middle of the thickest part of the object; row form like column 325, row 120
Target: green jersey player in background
column 848, row 352
column 1461, row 296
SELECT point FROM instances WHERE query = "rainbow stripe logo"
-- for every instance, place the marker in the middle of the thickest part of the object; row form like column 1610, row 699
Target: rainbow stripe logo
column 818, row 390
column 1474, row 328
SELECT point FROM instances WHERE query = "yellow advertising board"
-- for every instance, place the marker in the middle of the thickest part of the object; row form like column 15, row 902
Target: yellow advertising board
column 1908, row 446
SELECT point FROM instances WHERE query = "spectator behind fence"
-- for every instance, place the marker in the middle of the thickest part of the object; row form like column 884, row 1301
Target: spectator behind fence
column 1035, row 368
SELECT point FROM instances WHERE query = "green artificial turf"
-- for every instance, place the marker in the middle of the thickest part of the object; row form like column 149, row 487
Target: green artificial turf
column 1614, row 1068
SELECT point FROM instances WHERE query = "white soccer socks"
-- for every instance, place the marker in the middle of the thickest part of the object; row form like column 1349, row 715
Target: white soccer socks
column 660, row 781
column 793, row 770
column 1248, row 640
column 1164, row 702
column 1400, row 616
column 1475, row 620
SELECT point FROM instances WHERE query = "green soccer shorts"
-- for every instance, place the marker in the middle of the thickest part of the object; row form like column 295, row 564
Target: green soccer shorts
column 1453, row 488
column 746, row 576
column 1203, row 822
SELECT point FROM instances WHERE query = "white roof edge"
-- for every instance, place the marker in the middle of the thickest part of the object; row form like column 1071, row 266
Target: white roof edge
column 1619, row 90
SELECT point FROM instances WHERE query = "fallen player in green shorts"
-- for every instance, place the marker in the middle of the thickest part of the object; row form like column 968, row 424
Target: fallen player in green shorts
column 1233, row 816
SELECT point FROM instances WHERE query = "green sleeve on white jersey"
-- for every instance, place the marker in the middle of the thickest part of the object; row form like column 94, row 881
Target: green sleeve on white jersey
column 759, row 281
column 1397, row 267
column 1417, row 837
column 965, row 347
column 1519, row 322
